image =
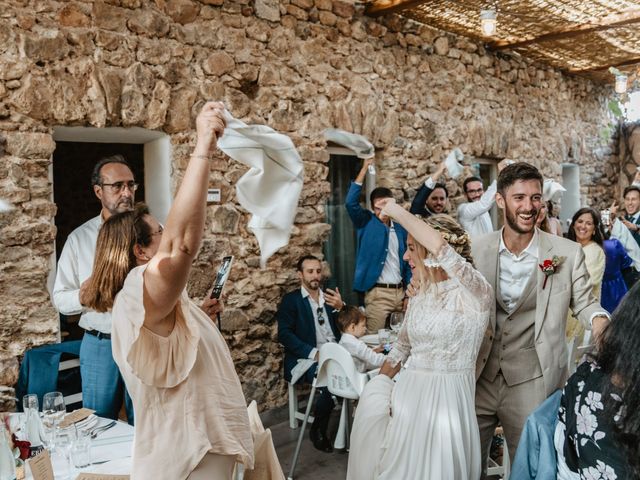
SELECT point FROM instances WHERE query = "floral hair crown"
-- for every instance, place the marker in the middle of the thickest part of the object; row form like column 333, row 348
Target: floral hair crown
column 453, row 239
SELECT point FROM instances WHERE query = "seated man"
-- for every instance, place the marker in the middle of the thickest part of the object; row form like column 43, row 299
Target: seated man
column 432, row 197
column 306, row 321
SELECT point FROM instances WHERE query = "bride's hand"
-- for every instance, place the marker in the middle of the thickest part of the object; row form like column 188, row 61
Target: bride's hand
column 390, row 208
column 388, row 370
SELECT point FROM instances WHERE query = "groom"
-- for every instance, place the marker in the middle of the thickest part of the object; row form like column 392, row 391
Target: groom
column 523, row 357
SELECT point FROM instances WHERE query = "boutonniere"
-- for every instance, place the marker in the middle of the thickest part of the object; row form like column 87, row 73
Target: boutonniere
column 549, row 267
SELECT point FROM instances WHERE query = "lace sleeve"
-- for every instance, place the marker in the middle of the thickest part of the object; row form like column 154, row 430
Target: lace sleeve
column 457, row 267
column 402, row 348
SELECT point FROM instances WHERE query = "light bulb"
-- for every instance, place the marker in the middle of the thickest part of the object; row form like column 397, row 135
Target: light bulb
column 488, row 22
column 621, row 83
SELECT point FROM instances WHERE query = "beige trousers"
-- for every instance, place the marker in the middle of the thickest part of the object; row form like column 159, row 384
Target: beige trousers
column 379, row 303
column 498, row 403
column 214, row 467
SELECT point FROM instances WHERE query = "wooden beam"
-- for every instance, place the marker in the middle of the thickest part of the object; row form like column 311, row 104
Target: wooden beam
column 607, row 23
column 384, row 7
column 625, row 63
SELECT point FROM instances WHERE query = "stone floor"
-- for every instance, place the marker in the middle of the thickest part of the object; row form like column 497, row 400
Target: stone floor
column 312, row 464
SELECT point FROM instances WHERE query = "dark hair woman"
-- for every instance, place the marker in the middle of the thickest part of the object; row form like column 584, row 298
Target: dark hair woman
column 586, row 227
column 191, row 415
column 598, row 435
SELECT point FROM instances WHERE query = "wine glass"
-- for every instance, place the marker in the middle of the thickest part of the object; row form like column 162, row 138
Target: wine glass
column 29, row 405
column 53, row 409
column 395, row 321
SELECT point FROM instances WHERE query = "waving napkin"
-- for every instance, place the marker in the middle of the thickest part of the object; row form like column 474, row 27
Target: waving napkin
column 271, row 188
column 359, row 144
column 5, row 206
column 552, row 190
column 452, row 162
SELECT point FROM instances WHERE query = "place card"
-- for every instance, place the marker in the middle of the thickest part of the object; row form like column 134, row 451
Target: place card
column 40, row 466
column 101, row 476
column 75, row 416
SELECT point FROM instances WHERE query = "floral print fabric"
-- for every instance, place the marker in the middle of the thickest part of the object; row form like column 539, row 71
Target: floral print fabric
column 587, row 445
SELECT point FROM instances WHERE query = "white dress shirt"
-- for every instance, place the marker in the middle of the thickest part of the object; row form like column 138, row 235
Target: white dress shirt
column 363, row 356
column 391, row 268
column 324, row 334
column 474, row 216
column 515, row 270
column 74, row 267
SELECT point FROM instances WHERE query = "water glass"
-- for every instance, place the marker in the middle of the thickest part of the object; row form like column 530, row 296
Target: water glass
column 53, row 410
column 81, row 450
column 395, row 321
column 384, row 336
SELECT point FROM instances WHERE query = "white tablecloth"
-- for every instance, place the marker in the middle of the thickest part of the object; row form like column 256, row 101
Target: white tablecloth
column 110, row 453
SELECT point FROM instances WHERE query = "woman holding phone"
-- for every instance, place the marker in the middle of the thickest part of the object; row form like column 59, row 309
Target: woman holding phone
column 191, row 415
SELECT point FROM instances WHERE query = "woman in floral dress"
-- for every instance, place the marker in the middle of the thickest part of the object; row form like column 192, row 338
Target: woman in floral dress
column 598, row 435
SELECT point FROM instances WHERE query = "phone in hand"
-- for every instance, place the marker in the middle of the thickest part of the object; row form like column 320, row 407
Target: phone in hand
column 221, row 276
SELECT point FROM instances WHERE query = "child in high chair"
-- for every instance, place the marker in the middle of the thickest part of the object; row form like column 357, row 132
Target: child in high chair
column 352, row 323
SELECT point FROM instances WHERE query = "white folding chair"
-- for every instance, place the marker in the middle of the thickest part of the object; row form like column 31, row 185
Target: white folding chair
column 71, row 398
column 294, row 413
column 336, row 371
column 493, row 468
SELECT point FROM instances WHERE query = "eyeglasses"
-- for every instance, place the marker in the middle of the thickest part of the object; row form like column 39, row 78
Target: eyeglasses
column 320, row 313
column 477, row 190
column 117, row 187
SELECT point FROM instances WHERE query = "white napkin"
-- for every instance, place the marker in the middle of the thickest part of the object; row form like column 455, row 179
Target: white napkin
column 552, row 190
column 362, row 147
column 271, row 188
column 452, row 162
column 5, row 206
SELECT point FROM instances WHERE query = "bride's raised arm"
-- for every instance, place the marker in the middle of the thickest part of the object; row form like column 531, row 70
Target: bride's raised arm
column 451, row 262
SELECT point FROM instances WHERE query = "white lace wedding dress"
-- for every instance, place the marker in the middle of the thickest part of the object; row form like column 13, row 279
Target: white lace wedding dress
column 423, row 426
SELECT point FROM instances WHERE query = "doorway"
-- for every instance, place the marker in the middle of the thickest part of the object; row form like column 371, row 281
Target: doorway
column 571, row 198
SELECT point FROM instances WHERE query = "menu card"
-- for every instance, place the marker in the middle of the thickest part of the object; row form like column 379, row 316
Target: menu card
column 40, row 465
column 75, row 416
column 101, row 476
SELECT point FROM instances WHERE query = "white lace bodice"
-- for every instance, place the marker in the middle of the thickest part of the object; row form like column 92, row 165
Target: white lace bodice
column 444, row 323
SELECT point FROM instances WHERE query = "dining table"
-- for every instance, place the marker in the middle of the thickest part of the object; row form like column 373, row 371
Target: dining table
column 110, row 453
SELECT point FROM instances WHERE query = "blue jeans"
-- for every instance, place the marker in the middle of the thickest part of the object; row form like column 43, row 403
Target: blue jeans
column 102, row 385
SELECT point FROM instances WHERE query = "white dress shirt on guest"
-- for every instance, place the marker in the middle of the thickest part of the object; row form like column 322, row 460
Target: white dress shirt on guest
column 621, row 232
column 515, row 270
column 74, row 267
column 474, row 216
column 363, row 356
column 323, row 331
column 391, row 268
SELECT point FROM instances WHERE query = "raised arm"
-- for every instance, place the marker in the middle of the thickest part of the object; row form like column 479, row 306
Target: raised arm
column 166, row 275
column 359, row 216
column 471, row 210
column 424, row 234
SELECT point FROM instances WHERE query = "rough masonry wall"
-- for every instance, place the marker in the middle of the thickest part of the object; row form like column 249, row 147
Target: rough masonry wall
column 297, row 65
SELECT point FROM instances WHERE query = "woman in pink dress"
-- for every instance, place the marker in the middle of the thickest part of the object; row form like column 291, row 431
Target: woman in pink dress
column 191, row 416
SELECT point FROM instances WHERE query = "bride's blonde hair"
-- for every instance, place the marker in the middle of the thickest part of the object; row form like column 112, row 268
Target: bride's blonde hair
column 453, row 234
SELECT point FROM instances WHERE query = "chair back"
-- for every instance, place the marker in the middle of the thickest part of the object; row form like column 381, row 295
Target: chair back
column 337, row 371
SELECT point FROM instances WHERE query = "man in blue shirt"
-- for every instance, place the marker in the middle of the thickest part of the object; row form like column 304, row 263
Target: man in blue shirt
column 381, row 273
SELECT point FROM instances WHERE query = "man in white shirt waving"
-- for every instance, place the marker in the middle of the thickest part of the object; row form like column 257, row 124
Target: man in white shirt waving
column 102, row 385
column 474, row 215
column 537, row 277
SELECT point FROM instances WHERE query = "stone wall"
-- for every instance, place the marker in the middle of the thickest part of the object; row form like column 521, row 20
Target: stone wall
column 297, row 65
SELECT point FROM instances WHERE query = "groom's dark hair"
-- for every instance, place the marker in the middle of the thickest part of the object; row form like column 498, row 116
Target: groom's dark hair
column 517, row 171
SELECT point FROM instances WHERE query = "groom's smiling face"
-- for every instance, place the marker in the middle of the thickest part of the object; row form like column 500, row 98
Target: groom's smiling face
column 521, row 203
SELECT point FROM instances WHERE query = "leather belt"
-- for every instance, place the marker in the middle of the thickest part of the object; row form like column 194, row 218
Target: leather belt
column 100, row 335
column 388, row 285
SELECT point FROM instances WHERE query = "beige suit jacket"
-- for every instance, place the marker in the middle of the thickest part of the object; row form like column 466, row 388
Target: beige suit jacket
column 568, row 288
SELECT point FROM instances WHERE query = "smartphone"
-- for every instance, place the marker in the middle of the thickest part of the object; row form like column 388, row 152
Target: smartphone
column 221, row 276
column 605, row 215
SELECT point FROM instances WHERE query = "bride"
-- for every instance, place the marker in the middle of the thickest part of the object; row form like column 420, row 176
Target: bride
column 423, row 426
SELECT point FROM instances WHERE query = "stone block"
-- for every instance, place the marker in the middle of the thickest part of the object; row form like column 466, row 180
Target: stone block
column 109, row 17
column 233, row 319
column 48, row 46
column 182, row 11
column 29, row 145
column 158, row 106
column 179, row 114
column 327, row 18
column 297, row 12
column 71, row 15
column 225, row 219
column 218, row 64
column 149, row 22
column 441, row 46
column 154, row 52
column 268, row 9
column 343, row 9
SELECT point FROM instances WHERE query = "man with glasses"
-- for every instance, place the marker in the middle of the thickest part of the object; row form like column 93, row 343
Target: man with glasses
column 474, row 215
column 306, row 321
column 102, row 386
